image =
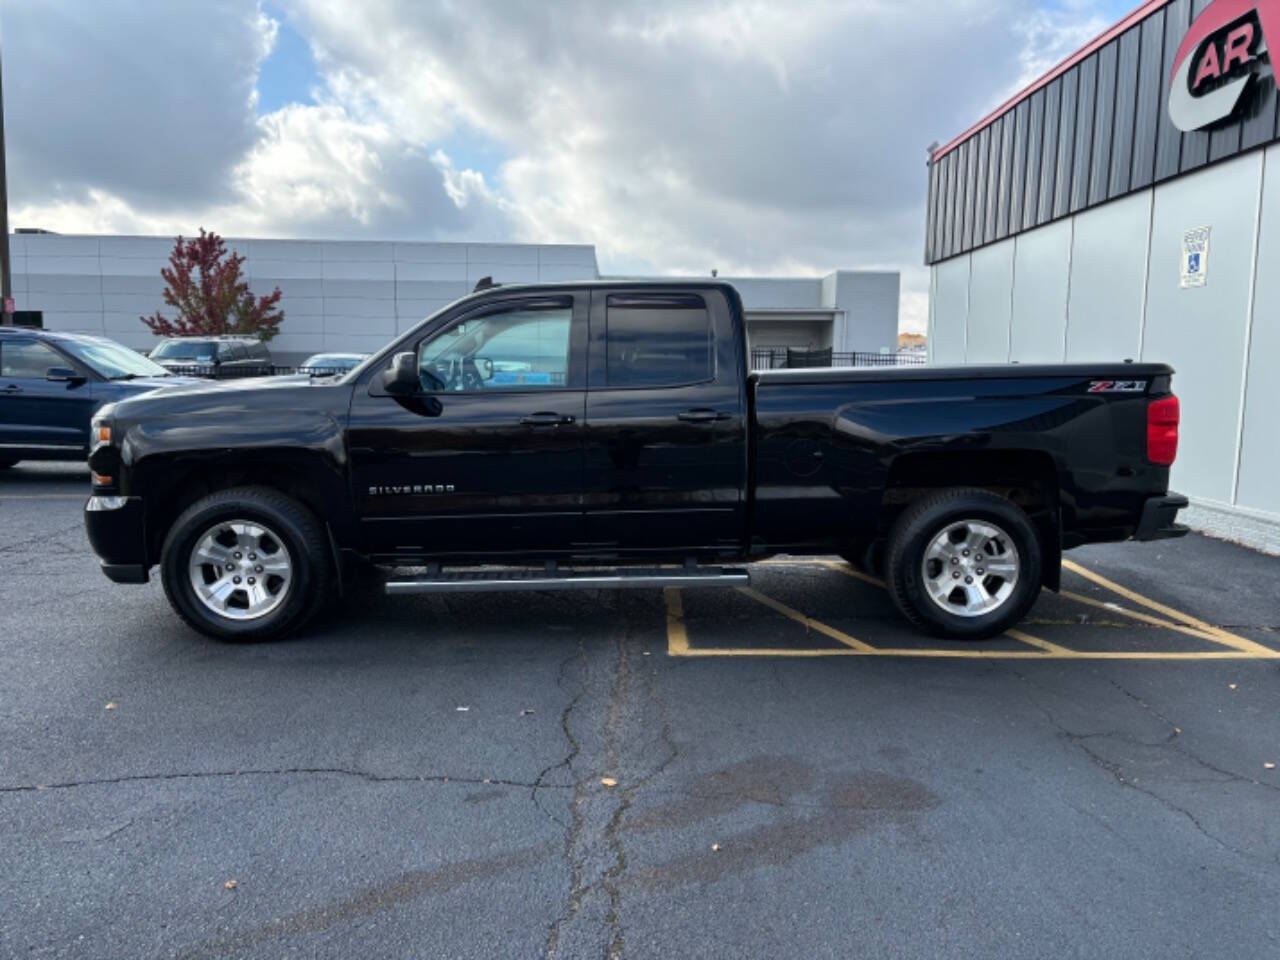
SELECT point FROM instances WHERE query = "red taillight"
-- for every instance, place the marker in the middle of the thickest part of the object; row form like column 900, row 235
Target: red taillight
column 1162, row 430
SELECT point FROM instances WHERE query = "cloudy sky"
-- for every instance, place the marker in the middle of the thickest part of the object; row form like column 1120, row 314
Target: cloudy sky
column 752, row 136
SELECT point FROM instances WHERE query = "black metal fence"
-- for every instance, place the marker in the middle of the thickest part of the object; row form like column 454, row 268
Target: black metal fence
column 782, row 358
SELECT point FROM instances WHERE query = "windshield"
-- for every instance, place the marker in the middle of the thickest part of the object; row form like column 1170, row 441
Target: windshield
column 343, row 361
column 112, row 360
column 185, row 350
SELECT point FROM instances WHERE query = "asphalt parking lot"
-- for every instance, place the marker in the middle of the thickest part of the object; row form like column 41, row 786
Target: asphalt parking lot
column 786, row 771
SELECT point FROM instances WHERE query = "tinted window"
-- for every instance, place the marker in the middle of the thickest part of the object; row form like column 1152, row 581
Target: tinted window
column 658, row 341
column 514, row 348
column 28, row 360
column 201, row 350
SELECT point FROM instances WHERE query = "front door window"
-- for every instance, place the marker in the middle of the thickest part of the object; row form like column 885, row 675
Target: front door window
column 516, row 348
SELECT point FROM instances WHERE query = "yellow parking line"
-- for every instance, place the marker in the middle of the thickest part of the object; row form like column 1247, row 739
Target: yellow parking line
column 1241, row 648
column 1044, row 645
column 808, row 622
column 1216, row 634
column 1137, row 615
column 677, row 636
column 848, row 570
column 975, row 654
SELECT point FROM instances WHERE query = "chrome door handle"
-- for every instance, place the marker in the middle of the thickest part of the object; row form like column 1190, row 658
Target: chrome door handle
column 701, row 416
column 12, row 388
column 546, row 420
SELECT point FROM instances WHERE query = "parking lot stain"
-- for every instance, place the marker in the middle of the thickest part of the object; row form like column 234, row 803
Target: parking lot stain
column 810, row 809
column 372, row 900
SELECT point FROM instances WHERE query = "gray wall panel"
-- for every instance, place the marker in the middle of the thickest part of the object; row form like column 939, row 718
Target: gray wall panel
column 990, row 286
column 970, row 191
column 950, row 307
column 1126, row 102
column 980, row 186
column 1257, row 488
column 1177, row 16
column 1019, row 167
column 1201, row 331
column 1040, row 280
column 1260, row 127
column 1195, row 146
column 1084, row 133
column 1108, row 276
column 1150, row 101
column 1035, row 141
column 1066, row 142
column 948, row 200
column 1049, row 152
column 1006, row 178
column 932, row 215
column 993, row 180
column 1103, row 124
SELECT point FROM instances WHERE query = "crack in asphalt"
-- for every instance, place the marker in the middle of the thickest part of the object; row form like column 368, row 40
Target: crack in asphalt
column 574, row 747
column 278, row 772
column 1117, row 772
column 591, row 921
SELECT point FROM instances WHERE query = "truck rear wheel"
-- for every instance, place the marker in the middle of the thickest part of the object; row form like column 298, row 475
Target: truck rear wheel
column 964, row 563
column 249, row 563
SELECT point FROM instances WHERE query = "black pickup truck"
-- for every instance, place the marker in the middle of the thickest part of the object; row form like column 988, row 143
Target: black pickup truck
column 611, row 435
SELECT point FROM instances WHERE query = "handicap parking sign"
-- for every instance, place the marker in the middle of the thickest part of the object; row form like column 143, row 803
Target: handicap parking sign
column 1195, row 257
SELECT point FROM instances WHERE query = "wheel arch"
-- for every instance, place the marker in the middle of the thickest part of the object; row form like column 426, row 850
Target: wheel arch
column 1028, row 478
column 180, row 481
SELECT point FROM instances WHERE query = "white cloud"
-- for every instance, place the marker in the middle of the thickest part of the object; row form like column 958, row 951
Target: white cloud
column 752, row 136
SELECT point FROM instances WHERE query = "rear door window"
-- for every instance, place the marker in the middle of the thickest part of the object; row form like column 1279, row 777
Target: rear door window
column 658, row 341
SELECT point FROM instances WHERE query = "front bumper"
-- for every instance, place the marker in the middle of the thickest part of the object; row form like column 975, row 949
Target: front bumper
column 1158, row 516
column 116, row 529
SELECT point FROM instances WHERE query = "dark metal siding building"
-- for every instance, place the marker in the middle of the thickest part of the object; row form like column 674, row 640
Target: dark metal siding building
column 1127, row 205
column 1093, row 129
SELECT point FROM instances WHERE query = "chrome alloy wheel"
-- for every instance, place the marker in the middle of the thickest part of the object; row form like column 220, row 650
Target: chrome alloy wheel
column 240, row 569
column 970, row 568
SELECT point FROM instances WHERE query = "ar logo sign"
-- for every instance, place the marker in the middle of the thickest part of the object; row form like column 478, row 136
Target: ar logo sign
column 1219, row 60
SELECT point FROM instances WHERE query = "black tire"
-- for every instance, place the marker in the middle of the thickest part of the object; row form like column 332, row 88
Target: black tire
column 298, row 530
column 929, row 518
column 6, row 464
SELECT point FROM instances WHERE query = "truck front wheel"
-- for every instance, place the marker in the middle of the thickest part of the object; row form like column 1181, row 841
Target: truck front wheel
column 964, row 563
column 249, row 563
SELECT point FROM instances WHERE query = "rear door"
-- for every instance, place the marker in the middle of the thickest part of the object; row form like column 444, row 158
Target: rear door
column 665, row 444
column 35, row 413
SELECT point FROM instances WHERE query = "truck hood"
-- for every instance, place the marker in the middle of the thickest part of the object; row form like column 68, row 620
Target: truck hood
column 258, row 398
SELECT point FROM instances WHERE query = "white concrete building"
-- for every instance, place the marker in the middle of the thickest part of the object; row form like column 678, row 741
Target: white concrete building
column 356, row 295
column 1120, row 207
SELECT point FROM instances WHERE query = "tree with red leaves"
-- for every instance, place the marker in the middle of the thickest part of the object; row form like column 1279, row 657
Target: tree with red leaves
column 204, row 285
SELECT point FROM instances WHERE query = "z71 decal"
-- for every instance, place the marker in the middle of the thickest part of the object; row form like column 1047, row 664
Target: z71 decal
column 1118, row 386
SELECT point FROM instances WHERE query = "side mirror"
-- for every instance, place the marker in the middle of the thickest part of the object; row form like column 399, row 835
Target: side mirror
column 402, row 376
column 63, row 375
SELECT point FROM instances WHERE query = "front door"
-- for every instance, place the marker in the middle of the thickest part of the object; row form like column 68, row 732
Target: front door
column 486, row 460
column 666, row 449
column 37, row 414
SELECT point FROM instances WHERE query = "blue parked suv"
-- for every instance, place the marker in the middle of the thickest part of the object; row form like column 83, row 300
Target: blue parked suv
column 52, row 383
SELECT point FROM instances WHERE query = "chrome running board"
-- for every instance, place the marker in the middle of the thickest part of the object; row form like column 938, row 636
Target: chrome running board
column 501, row 580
